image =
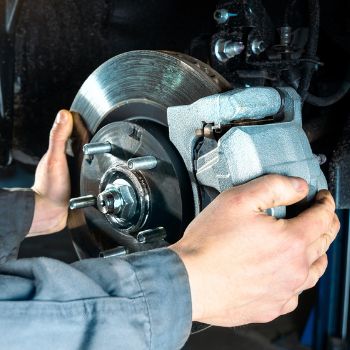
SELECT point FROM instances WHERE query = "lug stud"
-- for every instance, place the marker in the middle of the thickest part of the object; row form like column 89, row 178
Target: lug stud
column 90, row 149
column 142, row 163
column 82, row 202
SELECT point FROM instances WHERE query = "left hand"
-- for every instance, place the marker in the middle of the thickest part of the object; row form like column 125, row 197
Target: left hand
column 52, row 181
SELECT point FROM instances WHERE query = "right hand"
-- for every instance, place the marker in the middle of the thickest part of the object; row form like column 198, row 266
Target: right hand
column 247, row 267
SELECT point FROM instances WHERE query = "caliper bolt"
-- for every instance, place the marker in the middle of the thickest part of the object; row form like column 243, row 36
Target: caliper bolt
column 82, row 202
column 226, row 49
column 91, row 149
column 142, row 163
column 222, row 16
column 257, row 46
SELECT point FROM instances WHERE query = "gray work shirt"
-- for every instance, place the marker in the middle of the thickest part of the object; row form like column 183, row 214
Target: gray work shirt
column 141, row 301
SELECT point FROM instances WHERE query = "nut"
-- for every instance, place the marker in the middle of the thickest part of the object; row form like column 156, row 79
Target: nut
column 118, row 199
column 128, row 208
column 226, row 49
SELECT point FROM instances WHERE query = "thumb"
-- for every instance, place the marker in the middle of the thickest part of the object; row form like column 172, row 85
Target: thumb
column 274, row 190
column 60, row 132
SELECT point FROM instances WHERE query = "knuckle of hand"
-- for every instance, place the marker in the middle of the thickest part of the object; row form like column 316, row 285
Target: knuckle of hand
column 232, row 199
column 313, row 281
column 278, row 181
column 323, row 267
column 293, row 305
column 322, row 221
column 326, row 199
column 290, row 306
column 336, row 224
column 297, row 246
column 298, row 276
column 271, row 183
column 269, row 316
column 325, row 243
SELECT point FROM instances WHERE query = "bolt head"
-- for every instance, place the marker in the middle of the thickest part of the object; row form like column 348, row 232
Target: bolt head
column 129, row 205
column 106, row 202
column 226, row 49
column 220, row 50
column 258, row 46
column 221, row 16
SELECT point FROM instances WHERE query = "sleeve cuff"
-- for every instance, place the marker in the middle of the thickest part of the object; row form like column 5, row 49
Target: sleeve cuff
column 16, row 216
column 164, row 281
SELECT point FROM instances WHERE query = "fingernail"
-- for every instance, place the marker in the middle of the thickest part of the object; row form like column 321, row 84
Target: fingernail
column 61, row 118
column 298, row 184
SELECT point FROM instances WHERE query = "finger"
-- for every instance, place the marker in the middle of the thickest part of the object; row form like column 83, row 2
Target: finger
column 273, row 190
column 291, row 305
column 318, row 248
column 317, row 269
column 60, row 132
column 316, row 220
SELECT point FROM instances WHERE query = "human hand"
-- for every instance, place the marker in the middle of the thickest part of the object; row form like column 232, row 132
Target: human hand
column 52, row 181
column 247, row 267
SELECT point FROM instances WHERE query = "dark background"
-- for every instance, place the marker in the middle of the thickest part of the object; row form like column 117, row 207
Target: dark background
column 59, row 43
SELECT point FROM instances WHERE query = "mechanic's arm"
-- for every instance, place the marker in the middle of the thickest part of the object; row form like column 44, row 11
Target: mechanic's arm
column 235, row 265
column 16, row 213
column 243, row 266
column 47, row 201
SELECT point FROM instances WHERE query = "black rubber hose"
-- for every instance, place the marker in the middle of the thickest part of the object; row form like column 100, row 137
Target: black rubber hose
column 329, row 100
column 311, row 48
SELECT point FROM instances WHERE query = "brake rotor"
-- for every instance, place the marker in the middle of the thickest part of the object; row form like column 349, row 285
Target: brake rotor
column 124, row 102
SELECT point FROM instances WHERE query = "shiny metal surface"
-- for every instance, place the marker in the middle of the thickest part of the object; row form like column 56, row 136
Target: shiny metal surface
column 138, row 85
column 109, row 171
column 246, row 152
column 152, row 235
column 91, row 149
column 144, row 84
column 227, row 49
column 82, row 202
column 142, row 163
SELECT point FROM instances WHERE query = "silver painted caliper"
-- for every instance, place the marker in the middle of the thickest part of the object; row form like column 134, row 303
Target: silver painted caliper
column 261, row 132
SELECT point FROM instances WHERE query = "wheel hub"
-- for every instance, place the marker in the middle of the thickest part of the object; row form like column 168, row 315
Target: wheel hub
column 131, row 174
column 124, row 198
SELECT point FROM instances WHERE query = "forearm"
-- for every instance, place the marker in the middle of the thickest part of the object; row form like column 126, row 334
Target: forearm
column 16, row 215
column 138, row 302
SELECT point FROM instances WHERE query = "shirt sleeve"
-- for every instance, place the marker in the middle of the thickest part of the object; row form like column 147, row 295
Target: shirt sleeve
column 141, row 301
column 16, row 216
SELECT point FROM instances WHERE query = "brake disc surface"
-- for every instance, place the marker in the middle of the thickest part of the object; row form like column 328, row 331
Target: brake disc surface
column 134, row 90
